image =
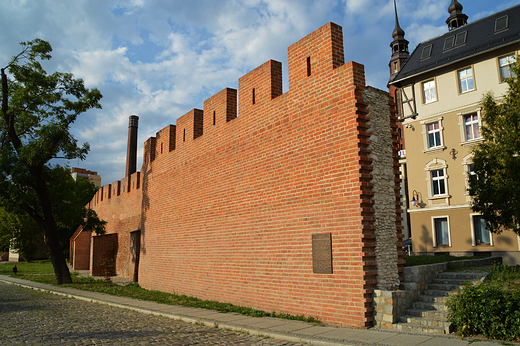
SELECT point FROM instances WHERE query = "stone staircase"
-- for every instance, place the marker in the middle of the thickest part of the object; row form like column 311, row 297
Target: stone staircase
column 429, row 313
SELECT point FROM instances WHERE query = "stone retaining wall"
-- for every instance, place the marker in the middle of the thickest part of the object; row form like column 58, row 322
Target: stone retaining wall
column 390, row 305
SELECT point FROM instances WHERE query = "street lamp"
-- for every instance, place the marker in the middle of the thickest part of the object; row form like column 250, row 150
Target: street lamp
column 415, row 200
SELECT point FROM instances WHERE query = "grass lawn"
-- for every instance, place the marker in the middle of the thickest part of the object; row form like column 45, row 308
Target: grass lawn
column 36, row 267
column 506, row 277
column 42, row 271
column 425, row 259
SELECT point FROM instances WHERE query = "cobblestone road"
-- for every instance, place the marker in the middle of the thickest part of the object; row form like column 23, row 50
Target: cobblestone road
column 29, row 317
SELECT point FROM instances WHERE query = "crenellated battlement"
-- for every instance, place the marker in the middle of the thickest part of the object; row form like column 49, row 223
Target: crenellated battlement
column 219, row 109
column 117, row 189
column 165, row 141
column 311, row 58
column 316, row 54
column 190, row 127
column 258, row 88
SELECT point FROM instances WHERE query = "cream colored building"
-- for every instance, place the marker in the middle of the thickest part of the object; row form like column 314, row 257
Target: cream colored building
column 86, row 174
column 439, row 90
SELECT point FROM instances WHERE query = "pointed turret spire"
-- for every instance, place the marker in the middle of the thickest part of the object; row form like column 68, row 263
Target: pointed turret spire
column 456, row 18
column 398, row 32
column 399, row 47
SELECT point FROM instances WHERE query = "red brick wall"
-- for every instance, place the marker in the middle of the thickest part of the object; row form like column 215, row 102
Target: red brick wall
column 229, row 214
column 80, row 250
column 123, row 215
column 103, row 255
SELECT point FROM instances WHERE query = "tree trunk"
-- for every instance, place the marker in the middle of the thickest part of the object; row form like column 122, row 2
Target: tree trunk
column 48, row 224
column 61, row 270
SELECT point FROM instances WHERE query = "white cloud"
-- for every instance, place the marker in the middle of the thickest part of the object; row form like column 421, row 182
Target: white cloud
column 417, row 33
column 357, row 6
column 161, row 58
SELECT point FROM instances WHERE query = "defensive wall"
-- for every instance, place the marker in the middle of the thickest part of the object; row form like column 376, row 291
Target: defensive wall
column 292, row 205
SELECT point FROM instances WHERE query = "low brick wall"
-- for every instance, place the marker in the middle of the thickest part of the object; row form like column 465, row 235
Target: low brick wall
column 390, row 305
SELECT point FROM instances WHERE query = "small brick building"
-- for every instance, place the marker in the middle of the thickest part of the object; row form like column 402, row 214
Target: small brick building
column 291, row 205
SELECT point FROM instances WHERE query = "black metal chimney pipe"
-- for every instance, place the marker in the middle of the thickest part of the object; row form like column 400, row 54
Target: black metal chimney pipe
column 131, row 150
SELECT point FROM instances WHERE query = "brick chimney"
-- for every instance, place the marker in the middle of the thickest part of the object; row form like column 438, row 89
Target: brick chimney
column 131, row 150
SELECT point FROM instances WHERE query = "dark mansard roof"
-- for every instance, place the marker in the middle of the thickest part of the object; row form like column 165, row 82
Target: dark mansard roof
column 483, row 35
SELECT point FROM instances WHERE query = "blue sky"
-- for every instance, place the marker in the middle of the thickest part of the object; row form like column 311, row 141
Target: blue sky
column 161, row 58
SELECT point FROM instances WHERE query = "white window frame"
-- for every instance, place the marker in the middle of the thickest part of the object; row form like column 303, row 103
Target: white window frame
column 462, row 125
column 434, row 165
column 465, row 79
column 466, row 162
column 426, row 140
column 434, row 231
column 438, row 181
column 474, row 120
column 473, row 235
column 433, row 132
column 432, row 85
column 501, row 65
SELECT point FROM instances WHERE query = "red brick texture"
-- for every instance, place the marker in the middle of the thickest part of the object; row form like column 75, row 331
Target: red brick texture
column 80, row 250
column 103, row 254
column 229, row 214
column 123, row 215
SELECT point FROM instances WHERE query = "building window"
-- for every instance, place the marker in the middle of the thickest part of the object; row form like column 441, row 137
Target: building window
column 429, row 91
column 438, row 182
column 441, row 231
column 432, row 131
column 455, row 41
column 434, row 135
column 472, row 126
column 480, row 233
column 460, row 39
column 426, row 52
column 505, row 66
column 466, row 82
column 467, row 163
column 448, row 43
column 501, row 23
column 471, row 170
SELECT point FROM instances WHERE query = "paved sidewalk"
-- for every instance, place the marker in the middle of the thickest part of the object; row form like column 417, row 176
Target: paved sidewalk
column 295, row 331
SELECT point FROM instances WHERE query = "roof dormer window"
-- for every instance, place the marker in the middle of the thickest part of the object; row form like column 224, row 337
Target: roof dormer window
column 448, row 43
column 460, row 39
column 426, row 52
column 501, row 23
column 455, row 41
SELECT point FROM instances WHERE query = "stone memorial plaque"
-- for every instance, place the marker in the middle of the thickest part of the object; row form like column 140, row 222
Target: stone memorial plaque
column 322, row 253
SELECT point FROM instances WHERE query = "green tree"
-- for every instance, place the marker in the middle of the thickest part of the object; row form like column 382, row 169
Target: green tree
column 12, row 236
column 37, row 111
column 495, row 186
column 69, row 198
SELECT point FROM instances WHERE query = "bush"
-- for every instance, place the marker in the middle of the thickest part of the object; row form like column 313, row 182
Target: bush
column 491, row 309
